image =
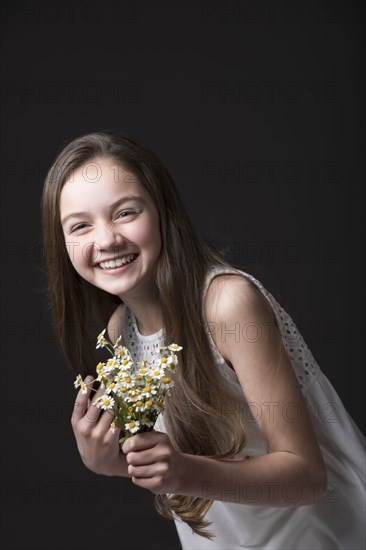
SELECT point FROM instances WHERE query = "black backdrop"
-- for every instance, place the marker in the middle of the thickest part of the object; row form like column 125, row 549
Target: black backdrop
column 257, row 109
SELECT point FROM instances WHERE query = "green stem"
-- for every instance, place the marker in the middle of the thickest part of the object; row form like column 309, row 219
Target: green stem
column 110, row 348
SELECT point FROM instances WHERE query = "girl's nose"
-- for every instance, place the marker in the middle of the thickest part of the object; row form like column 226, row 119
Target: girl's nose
column 107, row 238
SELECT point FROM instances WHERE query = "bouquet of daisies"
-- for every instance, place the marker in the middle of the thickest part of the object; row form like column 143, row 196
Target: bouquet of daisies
column 134, row 391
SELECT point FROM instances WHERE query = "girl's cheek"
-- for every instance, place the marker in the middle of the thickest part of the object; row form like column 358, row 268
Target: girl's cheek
column 72, row 250
column 87, row 252
column 69, row 249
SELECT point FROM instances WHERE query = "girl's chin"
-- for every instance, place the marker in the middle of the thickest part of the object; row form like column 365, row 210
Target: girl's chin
column 118, row 283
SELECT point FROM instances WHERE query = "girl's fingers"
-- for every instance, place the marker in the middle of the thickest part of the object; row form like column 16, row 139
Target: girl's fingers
column 105, row 423
column 140, row 472
column 106, row 419
column 144, row 458
column 92, row 412
column 140, row 442
column 81, row 401
column 103, row 428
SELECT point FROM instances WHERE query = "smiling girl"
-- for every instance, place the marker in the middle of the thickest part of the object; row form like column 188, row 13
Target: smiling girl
column 244, row 455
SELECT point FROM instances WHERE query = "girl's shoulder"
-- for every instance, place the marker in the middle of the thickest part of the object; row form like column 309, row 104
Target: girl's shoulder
column 227, row 288
column 114, row 327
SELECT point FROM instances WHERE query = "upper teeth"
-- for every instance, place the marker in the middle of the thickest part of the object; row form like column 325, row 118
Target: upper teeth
column 118, row 262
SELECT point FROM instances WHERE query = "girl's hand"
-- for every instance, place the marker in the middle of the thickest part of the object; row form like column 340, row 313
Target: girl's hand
column 153, row 463
column 97, row 444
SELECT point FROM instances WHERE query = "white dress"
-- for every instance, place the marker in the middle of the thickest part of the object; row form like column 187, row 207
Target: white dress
column 335, row 521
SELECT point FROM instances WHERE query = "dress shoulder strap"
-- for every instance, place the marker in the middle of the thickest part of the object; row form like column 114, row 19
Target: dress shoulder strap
column 304, row 364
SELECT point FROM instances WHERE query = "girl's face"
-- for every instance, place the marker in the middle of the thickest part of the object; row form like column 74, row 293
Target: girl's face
column 111, row 228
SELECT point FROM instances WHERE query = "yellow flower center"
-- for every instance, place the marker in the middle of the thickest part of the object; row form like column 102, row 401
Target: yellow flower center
column 166, row 380
column 163, row 360
column 125, row 362
column 149, row 403
column 128, row 379
column 146, row 389
column 139, row 403
column 131, row 425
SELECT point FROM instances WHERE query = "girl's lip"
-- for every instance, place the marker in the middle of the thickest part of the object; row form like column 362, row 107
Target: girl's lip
column 117, row 269
column 115, row 258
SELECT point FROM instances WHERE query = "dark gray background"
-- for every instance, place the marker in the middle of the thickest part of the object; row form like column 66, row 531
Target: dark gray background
column 257, row 109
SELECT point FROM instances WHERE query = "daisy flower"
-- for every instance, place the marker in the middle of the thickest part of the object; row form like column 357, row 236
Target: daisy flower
column 158, row 406
column 127, row 381
column 157, row 372
column 111, row 364
column 172, row 360
column 101, row 341
column 145, row 421
column 139, row 379
column 122, row 352
column 148, row 391
column 116, row 344
column 111, row 387
column 126, row 364
column 133, row 395
column 162, row 361
column 121, row 391
column 139, row 406
column 175, row 347
column 80, row 383
column 133, row 426
column 166, row 383
column 105, row 402
column 118, row 378
column 83, row 387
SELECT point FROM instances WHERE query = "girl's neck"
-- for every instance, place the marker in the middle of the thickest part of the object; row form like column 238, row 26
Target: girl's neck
column 147, row 315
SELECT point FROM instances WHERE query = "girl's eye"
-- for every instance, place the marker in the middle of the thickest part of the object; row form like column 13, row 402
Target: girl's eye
column 124, row 213
column 76, row 227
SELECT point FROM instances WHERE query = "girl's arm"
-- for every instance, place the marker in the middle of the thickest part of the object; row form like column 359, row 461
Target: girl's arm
column 293, row 473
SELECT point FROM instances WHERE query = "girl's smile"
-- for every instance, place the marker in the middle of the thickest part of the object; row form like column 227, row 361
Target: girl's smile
column 113, row 264
column 111, row 228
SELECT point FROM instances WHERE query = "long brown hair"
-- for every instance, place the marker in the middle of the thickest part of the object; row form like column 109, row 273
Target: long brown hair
column 196, row 410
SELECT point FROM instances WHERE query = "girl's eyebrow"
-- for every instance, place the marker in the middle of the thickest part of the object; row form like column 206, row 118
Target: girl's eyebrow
column 113, row 206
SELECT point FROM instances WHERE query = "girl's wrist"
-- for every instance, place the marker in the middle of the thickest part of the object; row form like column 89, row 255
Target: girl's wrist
column 192, row 473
